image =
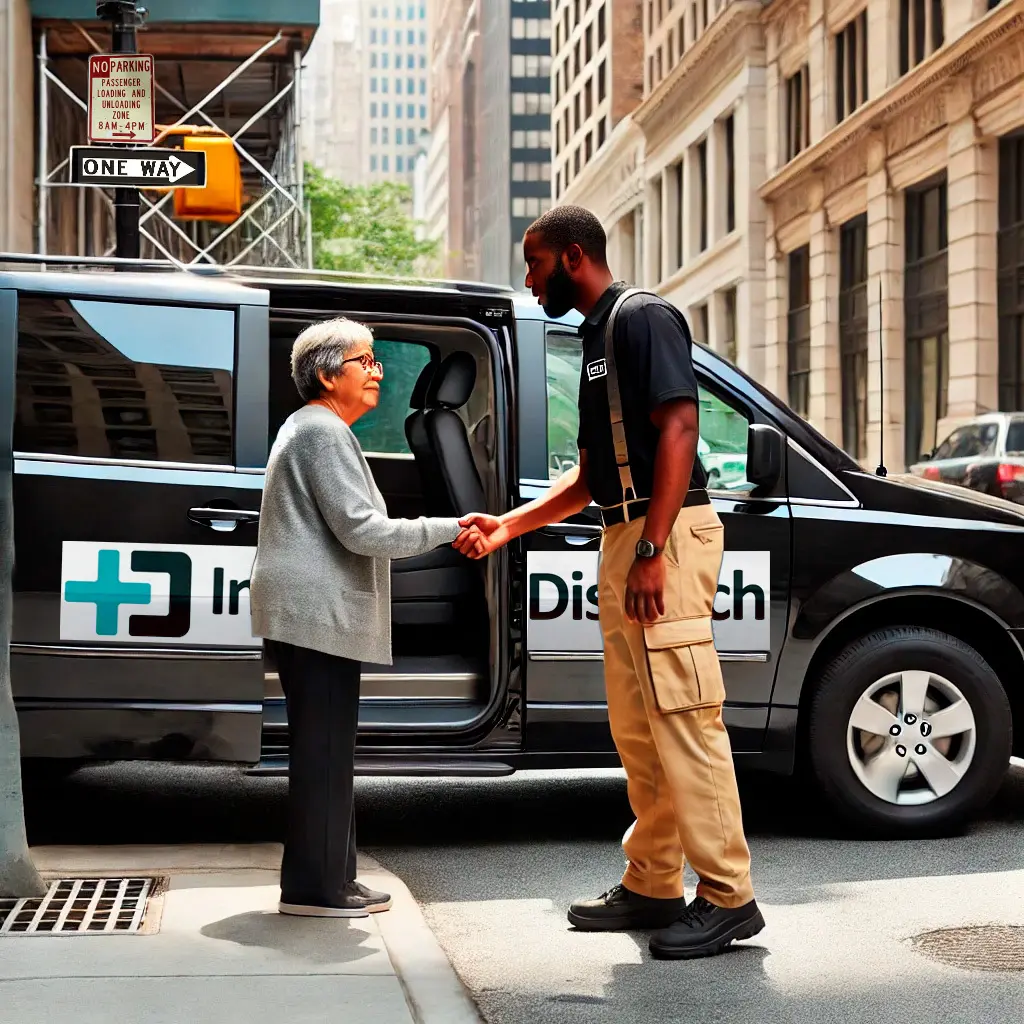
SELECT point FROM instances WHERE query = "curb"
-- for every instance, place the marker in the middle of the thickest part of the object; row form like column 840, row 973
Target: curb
column 433, row 990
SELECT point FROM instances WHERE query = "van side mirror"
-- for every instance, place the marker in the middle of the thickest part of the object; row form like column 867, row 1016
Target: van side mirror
column 764, row 455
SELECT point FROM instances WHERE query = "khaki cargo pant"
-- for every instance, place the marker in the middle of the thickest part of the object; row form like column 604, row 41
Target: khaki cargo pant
column 665, row 694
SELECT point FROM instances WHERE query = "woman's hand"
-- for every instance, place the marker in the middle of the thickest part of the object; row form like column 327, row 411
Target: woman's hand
column 481, row 534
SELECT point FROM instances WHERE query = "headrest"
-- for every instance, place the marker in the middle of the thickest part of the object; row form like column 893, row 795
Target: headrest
column 418, row 398
column 453, row 383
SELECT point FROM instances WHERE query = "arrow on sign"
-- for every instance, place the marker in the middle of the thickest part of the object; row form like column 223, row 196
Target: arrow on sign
column 138, row 168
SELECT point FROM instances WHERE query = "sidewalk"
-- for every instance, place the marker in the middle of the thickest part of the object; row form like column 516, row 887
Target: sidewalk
column 219, row 951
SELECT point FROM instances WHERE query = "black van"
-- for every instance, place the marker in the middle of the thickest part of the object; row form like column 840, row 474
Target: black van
column 870, row 628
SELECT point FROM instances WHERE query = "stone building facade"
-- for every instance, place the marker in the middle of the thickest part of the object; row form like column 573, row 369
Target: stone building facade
column 677, row 182
column 895, row 217
column 833, row 191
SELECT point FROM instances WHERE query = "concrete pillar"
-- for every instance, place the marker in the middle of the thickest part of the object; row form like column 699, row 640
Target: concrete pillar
column 825, row 410
column 773, row 120
column 883, row 47
column 652, row 234
column 17, row 127
column 776, row 296
column 973, row 196
column 818, row 65
column 886, row 261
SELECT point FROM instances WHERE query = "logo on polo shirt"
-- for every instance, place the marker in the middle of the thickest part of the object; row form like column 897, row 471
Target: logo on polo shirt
column 596, row 369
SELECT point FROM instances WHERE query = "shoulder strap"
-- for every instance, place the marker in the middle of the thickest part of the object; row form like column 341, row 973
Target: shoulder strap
column 615, row 398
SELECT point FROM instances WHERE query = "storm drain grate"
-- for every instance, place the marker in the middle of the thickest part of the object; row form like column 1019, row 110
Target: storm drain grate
column 81, row 906
column 985, row 948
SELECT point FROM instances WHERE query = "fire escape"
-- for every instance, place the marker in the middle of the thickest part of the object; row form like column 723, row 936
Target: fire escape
column 240, row 79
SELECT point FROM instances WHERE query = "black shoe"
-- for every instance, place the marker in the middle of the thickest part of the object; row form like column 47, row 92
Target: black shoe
column 356, row 901
column 704, row 930
column 621, row 909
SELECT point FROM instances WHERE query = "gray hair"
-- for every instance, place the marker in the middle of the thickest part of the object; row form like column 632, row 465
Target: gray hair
column 322, row 347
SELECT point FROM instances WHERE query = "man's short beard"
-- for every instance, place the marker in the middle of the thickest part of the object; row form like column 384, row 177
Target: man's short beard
column 560, row 290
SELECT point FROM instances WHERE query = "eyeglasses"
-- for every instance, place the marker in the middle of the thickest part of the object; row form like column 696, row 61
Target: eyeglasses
column 368, row 363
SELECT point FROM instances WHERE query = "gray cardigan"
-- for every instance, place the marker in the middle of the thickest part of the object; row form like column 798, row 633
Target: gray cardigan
column 322, row 575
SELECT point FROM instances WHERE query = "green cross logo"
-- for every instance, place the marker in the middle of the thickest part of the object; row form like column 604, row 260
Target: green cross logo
column 108, row 592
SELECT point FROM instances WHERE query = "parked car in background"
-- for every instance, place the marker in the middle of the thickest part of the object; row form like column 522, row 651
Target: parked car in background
column 985, row 454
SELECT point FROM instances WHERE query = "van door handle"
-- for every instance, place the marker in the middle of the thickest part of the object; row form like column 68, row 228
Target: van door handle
column 580, row 530
column 222, row 519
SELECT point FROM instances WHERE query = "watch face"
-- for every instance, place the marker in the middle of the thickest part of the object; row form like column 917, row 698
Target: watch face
column 645, row 548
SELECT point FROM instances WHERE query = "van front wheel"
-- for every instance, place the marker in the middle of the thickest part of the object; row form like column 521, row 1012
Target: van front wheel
column 910, row 732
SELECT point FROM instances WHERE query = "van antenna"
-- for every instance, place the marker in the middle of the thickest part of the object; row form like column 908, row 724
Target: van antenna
column 881, row 470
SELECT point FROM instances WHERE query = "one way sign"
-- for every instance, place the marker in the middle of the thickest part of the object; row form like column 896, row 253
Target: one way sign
column 138, row 168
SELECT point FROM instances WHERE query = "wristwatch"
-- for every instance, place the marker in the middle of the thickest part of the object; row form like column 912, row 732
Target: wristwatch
column 646, row 549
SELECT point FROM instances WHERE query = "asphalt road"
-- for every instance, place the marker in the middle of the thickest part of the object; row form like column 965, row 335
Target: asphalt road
column 496, row 863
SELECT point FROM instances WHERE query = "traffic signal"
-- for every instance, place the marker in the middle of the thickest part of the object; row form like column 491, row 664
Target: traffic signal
column 221, row 200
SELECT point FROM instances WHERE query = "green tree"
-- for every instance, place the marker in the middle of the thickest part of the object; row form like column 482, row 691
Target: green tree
column 364, row 228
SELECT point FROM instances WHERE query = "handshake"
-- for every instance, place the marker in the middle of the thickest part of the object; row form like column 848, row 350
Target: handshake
column 481, row 534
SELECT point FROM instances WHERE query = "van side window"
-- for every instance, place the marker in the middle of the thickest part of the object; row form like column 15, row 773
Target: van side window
column 722, row 446
column 383, row 430
column 124, row 380
column 563, row 357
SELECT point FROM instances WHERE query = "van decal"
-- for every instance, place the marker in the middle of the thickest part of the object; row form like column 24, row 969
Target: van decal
column 193, row 595
column 562, row 602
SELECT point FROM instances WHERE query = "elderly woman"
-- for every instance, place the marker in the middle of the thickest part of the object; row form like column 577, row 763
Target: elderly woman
column 320, row 598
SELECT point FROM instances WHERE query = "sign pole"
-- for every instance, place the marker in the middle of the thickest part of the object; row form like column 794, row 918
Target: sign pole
column 123, row 16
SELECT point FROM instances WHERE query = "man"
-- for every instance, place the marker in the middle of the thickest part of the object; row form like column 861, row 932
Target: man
column 661, row 554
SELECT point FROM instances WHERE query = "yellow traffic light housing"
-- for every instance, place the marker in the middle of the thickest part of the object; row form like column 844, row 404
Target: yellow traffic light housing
column 221, row 199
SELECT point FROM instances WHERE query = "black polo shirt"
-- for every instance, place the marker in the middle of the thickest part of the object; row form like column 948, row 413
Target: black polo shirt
column 653, row 352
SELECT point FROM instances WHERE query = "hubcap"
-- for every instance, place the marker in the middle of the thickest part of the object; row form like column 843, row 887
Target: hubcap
column 911, row 737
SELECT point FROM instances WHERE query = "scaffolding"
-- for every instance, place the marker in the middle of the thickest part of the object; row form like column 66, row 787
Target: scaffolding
column 273, row 229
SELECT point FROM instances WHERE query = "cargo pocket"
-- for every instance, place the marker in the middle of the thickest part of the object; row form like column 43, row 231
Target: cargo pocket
column 683, row 664
column 707, row 533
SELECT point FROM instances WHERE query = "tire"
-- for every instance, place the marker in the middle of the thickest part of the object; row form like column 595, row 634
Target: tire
column 842, row 761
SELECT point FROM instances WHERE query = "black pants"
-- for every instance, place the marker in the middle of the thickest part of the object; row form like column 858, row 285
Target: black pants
column 322, row 695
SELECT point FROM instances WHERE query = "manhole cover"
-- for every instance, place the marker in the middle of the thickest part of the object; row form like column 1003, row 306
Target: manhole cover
column 86, row 906
column 986, row 948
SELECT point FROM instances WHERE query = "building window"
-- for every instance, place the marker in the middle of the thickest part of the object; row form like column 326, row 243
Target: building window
column 702, row 166
column 851, row 55
column 921, row 31
column 853, row 334
column 1011, row 273
column 798, row 112
column 602, row 132
column 677, row 177
column 702, row 327
column 600, row 27
column 798, row 331
column 926, row 314
column 729, row 327
column 730, row 174
column 601, row 81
